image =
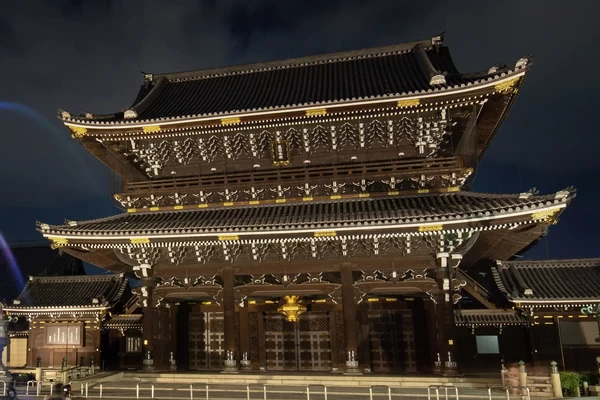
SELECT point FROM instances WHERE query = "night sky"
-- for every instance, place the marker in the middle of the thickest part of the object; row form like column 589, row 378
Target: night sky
column 87, row 56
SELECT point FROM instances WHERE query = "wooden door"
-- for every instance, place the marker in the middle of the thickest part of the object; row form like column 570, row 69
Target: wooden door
column 206, row 335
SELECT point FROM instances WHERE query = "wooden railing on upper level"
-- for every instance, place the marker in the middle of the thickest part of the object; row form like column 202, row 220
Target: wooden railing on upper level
column 373, row 170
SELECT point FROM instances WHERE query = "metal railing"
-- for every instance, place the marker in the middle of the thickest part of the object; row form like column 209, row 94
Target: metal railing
column 314, row 391
column 506, row 390
column 205, row 388
column 137, row 390
column 389, row 391
column 264, row 387
column 4, row 388
column 437, row 391
column 308, row 391
column 37, row 384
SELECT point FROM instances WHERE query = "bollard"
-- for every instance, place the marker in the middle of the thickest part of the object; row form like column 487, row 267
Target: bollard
column 503, row 372
column 522, row 376
column 555, row 380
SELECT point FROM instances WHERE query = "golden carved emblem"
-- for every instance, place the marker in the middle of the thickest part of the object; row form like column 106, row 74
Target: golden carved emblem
column 317, row 112
column 547, row 216
column 151, row 128
column 228, row 238
column 78, row 131
column 58, row 242
column 230, row 121
column 431, row 228
column 291, row 308
column 509, row 86
column 139, row 240
column 408, row 103
column 325, row 234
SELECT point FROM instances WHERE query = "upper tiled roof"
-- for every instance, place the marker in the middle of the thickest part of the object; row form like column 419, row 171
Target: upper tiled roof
column 70, row 292
column 33, row 260
column 549, row 281
column 423, row 208
column 391, row 71
column 488, row 317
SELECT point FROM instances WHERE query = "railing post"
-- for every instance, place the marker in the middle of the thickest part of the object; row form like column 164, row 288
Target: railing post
column 4, row 388
column 100, row 389
column 522, row 376
column 555, row 380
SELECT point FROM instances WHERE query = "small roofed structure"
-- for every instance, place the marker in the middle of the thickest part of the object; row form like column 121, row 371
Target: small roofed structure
column 558, row 301
column 65, row 317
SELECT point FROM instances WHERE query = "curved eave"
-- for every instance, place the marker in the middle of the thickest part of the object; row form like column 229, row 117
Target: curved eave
column 553, row 302
column 507, row 220
column 411, row 99
column 54, row 310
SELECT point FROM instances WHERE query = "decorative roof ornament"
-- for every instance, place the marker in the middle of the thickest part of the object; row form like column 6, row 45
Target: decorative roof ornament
column 438, row 40
column 148, row 77
column 130, row 114
column 439, row 79
column 522, row 62
column 65, row 114
column 89, row 115
column 528, row 292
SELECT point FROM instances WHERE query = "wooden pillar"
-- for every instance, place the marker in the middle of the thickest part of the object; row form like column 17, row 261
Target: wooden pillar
column 350, row 326
column 445, row 314
column 262, row 341
column 365, row 351
column 172, row 335
column 148, row 321
column 245, row 362
column 229, row 321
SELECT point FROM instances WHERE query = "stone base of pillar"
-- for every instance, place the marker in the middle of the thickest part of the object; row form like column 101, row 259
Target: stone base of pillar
column 437, row 368
column 148, row 364
column 246, row 365
column 230, row 367
column 450, row 369
column 352, row 368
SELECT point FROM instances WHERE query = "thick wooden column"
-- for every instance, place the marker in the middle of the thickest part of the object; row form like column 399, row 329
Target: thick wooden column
column 245, row 338
column 229, row 321
column 350, row 326
column 148, row 312
column 445, row 314
column 173, row 336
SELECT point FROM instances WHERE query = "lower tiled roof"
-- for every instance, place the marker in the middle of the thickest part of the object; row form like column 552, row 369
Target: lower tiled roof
column 125, row 321
column 70, row 292
column 422, row 208
column 488, row 318
column 549, row 281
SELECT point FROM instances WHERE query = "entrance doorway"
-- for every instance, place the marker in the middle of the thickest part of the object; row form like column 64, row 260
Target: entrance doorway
column 206, row 336
column 392, row 337
column 298, row 346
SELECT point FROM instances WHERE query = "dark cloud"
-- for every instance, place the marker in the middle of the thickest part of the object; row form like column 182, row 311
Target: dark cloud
column 86, row 56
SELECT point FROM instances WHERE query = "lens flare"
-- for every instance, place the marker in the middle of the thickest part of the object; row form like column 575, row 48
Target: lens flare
column 35, row 116
column 15, row 271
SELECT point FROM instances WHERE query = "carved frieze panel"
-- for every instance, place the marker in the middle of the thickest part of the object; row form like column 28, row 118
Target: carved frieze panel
column 422, row 135
column 298, row 249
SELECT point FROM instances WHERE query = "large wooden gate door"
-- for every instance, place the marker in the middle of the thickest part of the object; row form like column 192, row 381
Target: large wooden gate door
column 392, row 340
column 302, row 345
column 206, row 340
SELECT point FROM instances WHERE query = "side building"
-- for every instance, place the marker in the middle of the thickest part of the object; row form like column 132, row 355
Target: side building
column 310, row 214
column 64, row 319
